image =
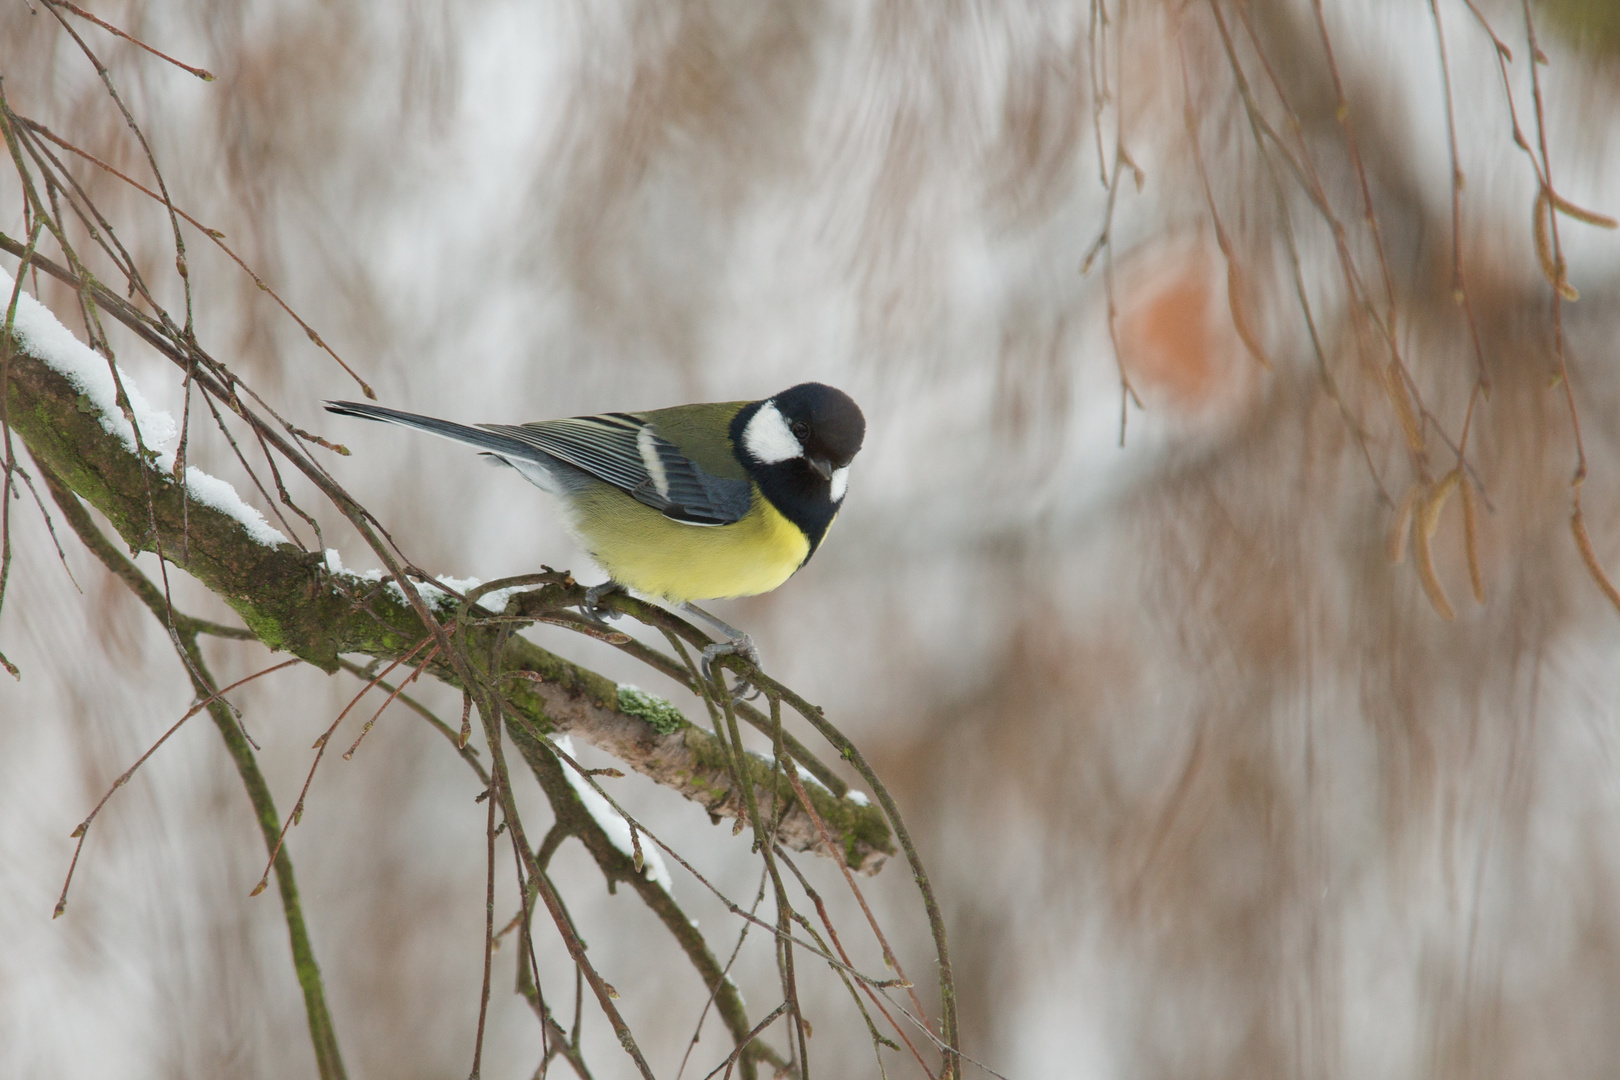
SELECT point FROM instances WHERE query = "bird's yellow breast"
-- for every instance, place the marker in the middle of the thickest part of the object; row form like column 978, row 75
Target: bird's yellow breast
column 652, row 554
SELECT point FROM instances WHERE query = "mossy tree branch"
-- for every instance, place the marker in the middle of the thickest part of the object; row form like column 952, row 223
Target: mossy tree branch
column 292, row 601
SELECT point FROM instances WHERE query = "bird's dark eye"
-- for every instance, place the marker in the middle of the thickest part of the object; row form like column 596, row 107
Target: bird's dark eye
column 800, row 429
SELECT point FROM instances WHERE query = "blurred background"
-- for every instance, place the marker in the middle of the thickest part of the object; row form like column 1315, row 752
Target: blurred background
column 1207, row 784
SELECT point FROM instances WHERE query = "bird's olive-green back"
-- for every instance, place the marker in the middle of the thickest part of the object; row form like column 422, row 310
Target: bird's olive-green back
column 702, row 433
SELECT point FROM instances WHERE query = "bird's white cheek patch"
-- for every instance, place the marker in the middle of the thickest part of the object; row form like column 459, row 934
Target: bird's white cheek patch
column 768, row 438
column 840, row 484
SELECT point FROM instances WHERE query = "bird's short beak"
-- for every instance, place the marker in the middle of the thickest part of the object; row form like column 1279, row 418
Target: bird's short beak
column 822, row 466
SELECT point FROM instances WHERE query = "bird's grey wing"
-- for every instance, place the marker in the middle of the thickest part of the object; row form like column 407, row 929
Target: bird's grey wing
column 626, row 451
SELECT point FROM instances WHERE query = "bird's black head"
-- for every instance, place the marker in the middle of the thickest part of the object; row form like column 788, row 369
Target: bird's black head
column 798, row 446
column 810, row 422
column 827, row 423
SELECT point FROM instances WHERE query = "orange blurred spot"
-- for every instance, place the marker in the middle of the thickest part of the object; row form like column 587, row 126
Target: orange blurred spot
column 1175, row 335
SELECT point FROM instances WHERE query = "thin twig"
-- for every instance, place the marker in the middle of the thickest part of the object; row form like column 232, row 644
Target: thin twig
column 83, row 828
column 202, row 74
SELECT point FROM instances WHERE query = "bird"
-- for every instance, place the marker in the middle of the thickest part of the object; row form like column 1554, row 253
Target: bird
column 692, row 502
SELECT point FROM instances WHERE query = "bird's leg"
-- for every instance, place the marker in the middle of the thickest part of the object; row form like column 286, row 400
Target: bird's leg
column 736, row 643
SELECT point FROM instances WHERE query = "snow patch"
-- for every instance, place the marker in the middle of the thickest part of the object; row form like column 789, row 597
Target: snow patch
column 617, row 829
column 213, row 492
column 39, row 334
column 494, row 602
column 809, row 777
column 852, row 795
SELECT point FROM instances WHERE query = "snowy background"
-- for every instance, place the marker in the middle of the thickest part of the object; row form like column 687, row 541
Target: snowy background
column 1207, row 786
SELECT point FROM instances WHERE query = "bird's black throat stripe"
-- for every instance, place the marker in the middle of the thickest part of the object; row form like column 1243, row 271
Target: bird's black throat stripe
column 799, row 495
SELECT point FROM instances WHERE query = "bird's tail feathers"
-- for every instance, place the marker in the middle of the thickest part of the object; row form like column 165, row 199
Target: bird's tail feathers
column 489, row 441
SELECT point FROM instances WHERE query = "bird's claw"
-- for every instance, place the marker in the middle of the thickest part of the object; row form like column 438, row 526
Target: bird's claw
column 592, row 604
column 742, row 646
column 739, row 646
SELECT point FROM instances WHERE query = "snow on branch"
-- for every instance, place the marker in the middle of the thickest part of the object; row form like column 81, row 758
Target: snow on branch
column 39, row 334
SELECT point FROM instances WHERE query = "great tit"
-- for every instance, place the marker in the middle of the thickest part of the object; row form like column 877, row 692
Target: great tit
column 687, row 503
